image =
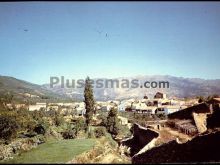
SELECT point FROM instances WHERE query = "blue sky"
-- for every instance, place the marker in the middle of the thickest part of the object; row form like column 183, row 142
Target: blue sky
column 43, row 39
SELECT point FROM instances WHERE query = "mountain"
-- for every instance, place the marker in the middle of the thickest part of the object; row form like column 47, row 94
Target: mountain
column 178, row 87
column 22, row 89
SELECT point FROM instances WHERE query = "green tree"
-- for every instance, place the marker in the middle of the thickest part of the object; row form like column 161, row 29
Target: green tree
column 113, row 122
column 89, row 101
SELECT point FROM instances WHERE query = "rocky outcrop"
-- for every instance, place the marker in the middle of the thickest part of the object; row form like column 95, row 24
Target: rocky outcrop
column 141, row 137
column 200, row 121
column 204, row 148
column 18, row 145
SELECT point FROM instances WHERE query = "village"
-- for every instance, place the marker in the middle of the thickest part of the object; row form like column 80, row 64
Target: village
column 160, row 104
column 154, row 122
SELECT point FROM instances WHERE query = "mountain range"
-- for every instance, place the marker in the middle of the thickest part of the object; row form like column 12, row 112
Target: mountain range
column 178, row 87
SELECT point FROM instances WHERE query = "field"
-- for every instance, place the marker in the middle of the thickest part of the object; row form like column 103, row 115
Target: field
column 55, row 151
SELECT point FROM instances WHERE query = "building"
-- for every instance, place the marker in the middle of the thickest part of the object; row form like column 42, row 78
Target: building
column 80, row 111
column 171, row 109
column 121, row 107
column 106, row 107
column 37, row 106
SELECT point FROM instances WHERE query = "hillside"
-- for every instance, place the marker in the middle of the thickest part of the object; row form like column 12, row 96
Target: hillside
column 23, row 89
column 178, row 87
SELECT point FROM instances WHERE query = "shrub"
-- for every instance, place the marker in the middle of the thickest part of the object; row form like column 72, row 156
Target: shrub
column 58, row 120
column 99, row 132
column 39, row 129
column 90, row 134
column 8, row 127
column 69, row 134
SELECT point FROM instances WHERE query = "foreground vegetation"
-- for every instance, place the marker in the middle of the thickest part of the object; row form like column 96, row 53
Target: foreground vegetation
column 55, row 151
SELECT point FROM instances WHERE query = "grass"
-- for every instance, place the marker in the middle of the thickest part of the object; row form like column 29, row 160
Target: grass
column 55, row 151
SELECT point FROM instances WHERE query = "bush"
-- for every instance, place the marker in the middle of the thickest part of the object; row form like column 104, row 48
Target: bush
column 91, row 134
column 8, row 127
column 81, row 124
column 39, row 129
column 99, row 132
column 58, row 120
column 69, row 134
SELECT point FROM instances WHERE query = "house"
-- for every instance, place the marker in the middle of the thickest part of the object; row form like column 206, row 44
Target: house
column 143, row 108
column 167, row 109
column 80, row 111
column 150, row 110
column 68, row 104
column 106, row 107
column 138, row 106
column 37, row 106
column 171, row 109
column 122, row 106
column 17, row 106
column 30, row 95
column 160, row 110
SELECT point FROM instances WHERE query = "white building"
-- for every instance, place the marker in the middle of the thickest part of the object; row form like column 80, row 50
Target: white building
column 106, row 107
column 37, row 106
column 121, row 107
column 80, row 111
column 171, row 109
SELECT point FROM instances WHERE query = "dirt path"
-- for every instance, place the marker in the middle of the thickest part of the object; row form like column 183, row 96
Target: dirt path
column 167, row 134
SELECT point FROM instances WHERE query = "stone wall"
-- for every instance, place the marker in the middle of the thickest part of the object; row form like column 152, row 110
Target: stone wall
column 204, row 148
column 200, row 121
column 18, row 145
column 187, row 113
column 141, row 137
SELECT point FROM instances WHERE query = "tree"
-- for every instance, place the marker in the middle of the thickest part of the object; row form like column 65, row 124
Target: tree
column 89, row 101
column 201, row 99
column 6, row 99
column 113, row 122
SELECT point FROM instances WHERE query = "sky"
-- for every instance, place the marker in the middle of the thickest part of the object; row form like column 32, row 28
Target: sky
column 109, row 39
